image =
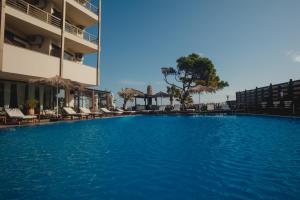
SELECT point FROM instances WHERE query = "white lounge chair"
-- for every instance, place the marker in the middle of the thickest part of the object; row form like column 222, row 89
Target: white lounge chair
column 176, row 108
column 160, row 109
column 47, row 113
column 106, row 111
column 125, row 111
column 89, row 112
column 210, row 107
column 71, row 113
column 15, row 113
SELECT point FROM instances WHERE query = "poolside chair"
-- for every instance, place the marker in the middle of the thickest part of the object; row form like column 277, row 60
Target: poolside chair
column 89, row 112
column 16, row 114
column 176, row 108
column 190, row 110
column 125, row 111
column 210, row 107
column 49, row 114
column 106, row 111
column 69, row 112
column 160, row 109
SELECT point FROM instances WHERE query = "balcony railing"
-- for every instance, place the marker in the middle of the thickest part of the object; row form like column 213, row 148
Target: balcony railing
column 88, row 5
column 34, row 12
column 80, row 33
column 50, row 19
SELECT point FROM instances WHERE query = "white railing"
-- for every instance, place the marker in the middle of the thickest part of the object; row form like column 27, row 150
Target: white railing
column 50, row 19
column 34, row 12
column 80, row 33
column 88, row 5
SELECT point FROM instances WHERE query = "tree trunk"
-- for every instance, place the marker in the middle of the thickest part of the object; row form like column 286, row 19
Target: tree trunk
column 124, row 104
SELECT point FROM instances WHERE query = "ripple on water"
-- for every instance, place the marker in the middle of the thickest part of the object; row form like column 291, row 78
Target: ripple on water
column 153, row 157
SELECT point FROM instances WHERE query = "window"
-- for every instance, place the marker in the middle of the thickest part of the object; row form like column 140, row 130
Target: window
column 55, row 50
column 12, row 38
column 13, row 96
column 1, row 94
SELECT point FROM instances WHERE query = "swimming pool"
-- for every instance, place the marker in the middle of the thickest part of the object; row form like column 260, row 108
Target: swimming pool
column 153, row 157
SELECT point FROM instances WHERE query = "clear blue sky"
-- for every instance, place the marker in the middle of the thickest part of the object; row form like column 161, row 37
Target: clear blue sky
column 251, row 42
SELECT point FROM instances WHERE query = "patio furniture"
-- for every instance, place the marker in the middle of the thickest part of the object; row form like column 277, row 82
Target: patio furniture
column 89, row 112
column 49, row 114
column 176, row 108
column 125, row 111
column 16, row 114
column 69, row 112
column 106, row 111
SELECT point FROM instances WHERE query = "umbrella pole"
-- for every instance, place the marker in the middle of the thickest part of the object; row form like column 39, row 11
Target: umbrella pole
column 56, row 100
column 199, row 100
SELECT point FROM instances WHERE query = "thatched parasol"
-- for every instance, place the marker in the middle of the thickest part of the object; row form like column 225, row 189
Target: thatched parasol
column 162, row 95
column 132, row 92
column 128, row 94
column 56, row 81
column 198, row 89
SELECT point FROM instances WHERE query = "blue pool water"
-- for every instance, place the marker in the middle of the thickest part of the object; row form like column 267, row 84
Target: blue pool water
column 153, row 157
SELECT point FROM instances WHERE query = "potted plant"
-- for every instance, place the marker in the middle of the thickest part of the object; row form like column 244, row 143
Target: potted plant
column 31, row 104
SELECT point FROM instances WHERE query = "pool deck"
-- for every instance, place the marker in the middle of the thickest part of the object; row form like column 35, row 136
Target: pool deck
column 48, row 121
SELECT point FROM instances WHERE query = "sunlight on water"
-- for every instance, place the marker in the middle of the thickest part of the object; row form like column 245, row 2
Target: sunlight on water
column 153, row 157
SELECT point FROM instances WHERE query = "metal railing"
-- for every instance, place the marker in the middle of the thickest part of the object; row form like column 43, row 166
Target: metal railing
column 80, row 33
column 50, row 19
column 35, row 12
column 88, row 5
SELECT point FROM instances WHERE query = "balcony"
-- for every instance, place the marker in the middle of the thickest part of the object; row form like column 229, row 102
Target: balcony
column 31, row 64
column 88, row 6
column 35, row 12
column 43, row 16
column 80, row 11
column 22, row 61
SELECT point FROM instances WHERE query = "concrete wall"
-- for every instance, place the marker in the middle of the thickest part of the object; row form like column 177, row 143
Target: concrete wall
column 81, row 73
column 22, row 61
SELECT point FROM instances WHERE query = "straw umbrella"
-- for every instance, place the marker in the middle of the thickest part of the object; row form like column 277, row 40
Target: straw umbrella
column 161, row 95
column 80, row 88
column 56, row 81
column 128, row 93
column 198, row 89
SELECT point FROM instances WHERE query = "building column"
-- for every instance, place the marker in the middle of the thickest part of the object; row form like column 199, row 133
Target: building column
column 99, row 44
column 62, row 38
column 2, row 31
column 21, row 94
column 96, row 102
column 41, row 100
column 31, row 92
column 6, row 94
column 93, row 100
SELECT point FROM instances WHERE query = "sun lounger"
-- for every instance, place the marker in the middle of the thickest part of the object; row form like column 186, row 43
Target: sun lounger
column 89, row 112
column 47, row 113
column 176, row 108
column 125, row 111
column 210, row 107
column 160, row 109
column 106, row 111
column 16, row 114
column 69, row 112
column 190, row 110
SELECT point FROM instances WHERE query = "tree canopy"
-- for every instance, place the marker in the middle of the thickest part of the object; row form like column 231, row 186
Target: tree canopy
column 193, row 70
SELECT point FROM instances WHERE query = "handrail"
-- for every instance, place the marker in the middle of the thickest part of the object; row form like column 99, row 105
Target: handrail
column 80, row 33
column 50, row 19
column 88, row 5
column 35, row 12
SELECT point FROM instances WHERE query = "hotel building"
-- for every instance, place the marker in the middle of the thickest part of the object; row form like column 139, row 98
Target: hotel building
column 43, row 39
